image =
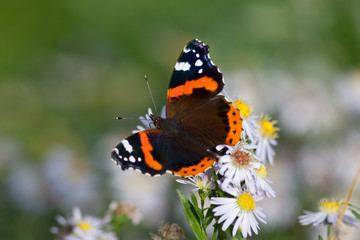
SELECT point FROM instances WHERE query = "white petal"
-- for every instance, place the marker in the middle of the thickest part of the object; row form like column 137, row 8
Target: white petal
column 221, row 200
column 229, row 221
column 76, row 214
column 245, row 226
column 236, row 226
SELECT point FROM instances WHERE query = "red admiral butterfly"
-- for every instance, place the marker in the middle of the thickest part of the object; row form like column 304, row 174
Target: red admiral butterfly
column 197, row 120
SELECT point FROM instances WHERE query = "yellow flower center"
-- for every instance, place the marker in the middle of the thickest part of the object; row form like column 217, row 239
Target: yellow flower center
column 84, row 225
column 199, row 183
column 329, row 206
column 261, row 172
column 267, row 127
column 244, row 108
column 246, row 201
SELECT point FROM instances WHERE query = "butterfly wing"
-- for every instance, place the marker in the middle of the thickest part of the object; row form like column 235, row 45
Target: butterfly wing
column 193, row 97
column 183, row 161
column 195, row 79
column 152, row 152
column 141, row 152
column 215, row 122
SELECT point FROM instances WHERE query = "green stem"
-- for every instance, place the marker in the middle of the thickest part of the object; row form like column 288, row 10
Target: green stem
column 214, row 236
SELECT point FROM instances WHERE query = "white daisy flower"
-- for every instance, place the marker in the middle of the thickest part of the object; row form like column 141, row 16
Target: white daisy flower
column 87, row 225
column 147, row 122
column 268, row 134
column 238, row 165
column 240, row 210
column 249, row 123
column 262, row 183
column 78, row 227
column 201, row 182
column 329, row 211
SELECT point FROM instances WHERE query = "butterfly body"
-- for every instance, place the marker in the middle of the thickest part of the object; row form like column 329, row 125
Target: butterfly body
column 197, row 120
column 171, row 127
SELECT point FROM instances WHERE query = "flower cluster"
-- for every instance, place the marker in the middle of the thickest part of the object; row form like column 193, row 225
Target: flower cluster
column 87, row 227
column 238, row 181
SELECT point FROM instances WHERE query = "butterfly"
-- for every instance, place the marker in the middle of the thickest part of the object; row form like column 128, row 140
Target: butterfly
column 197, row 119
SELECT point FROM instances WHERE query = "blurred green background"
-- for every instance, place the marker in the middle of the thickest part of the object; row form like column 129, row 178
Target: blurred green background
column 67, row 68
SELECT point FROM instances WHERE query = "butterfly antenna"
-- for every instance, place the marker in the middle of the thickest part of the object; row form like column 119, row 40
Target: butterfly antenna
column 152, row 97
column 123, row 118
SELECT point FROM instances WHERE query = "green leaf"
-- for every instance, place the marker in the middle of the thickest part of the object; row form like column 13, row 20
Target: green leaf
column 329, row 229
column 354, row 207
column 197, row 209
column 192, row 217
column 320, row 237
column 194, row 199
column 356, row 214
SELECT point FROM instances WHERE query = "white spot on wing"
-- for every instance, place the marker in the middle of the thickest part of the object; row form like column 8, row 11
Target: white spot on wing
column 132, row 159
column 198, row 63
column 116, row 150
column 197, row 55
column 182, row 66
column 139, row 159
column 186, row 50
column 127, row 146
column 200, row 71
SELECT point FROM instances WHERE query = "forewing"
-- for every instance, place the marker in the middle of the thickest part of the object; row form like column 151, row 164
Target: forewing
column 143, row 151
column 195, row 79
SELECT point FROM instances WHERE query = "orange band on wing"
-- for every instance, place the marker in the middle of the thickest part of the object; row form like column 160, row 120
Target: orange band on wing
column 205, row 163
column 205, row 82
column 235, row 124
column 147, row 148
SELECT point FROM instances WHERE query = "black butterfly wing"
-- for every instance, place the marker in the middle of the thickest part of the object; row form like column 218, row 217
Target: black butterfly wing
column 183, row 161
column 152, row 152
column 142, row 151
column 195, row 79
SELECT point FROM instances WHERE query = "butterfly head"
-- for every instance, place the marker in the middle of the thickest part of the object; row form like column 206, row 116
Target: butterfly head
column 156, row 120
